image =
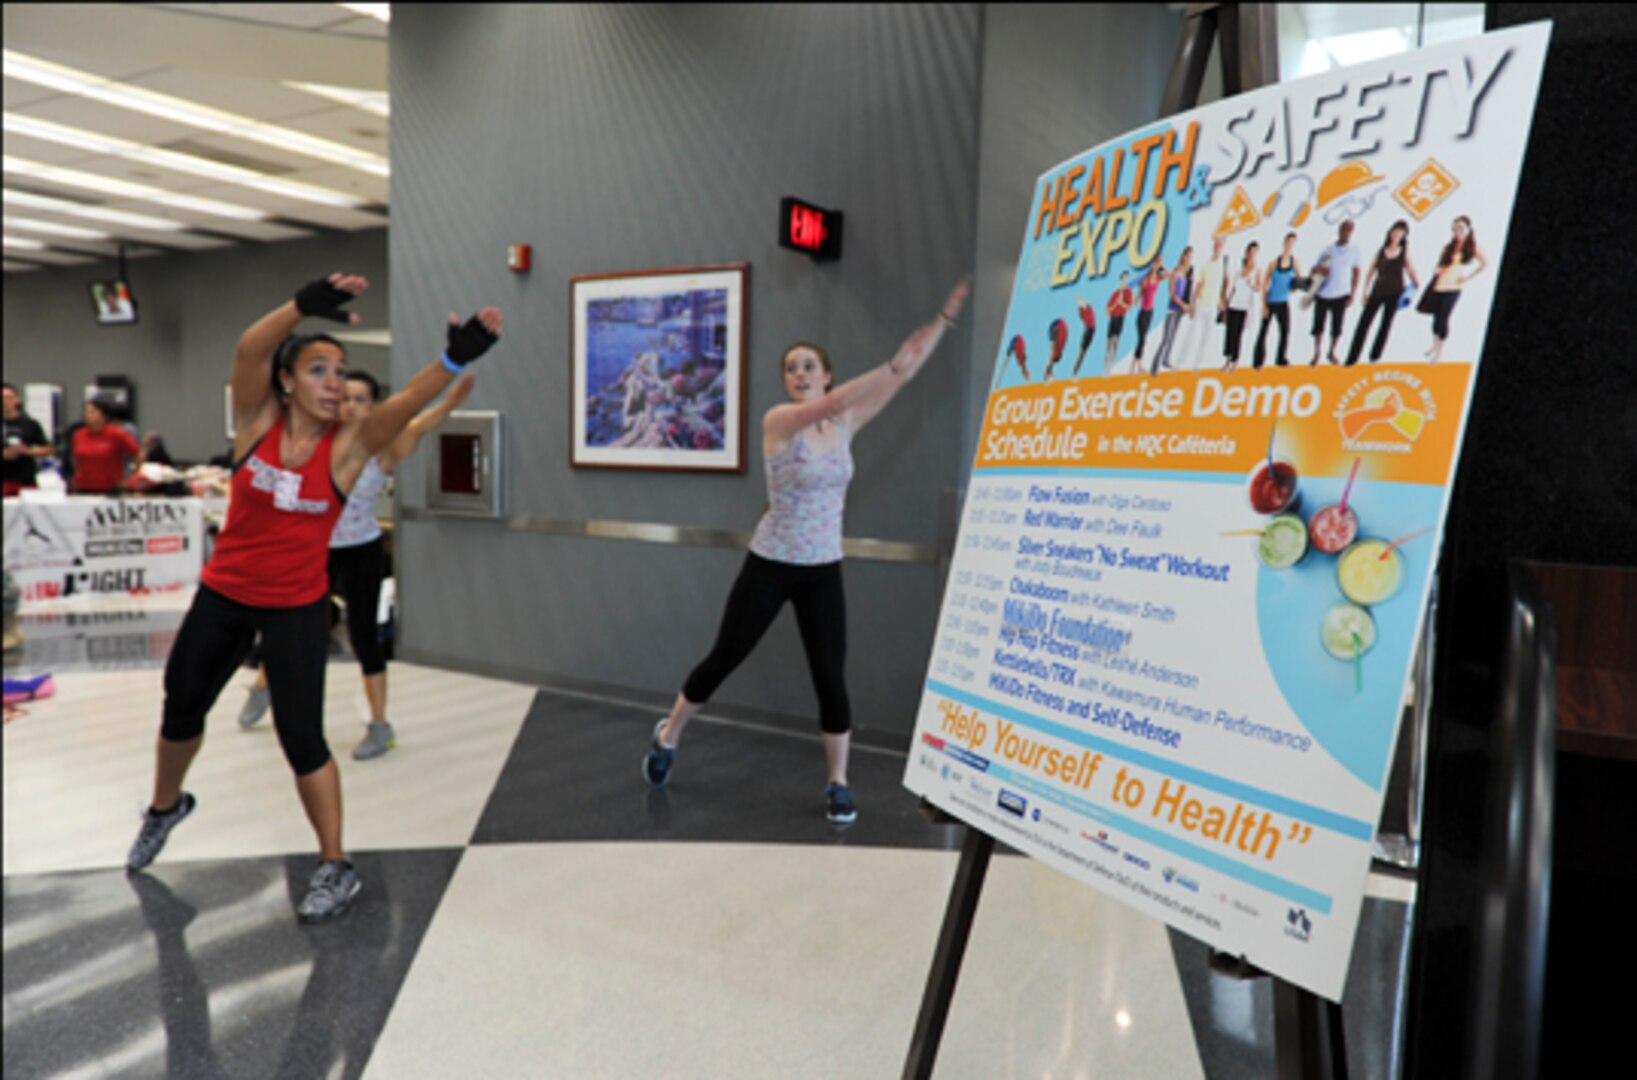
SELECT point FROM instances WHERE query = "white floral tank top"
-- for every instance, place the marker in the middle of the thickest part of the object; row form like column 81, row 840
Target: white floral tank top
column 806, row 492
column 357, row 524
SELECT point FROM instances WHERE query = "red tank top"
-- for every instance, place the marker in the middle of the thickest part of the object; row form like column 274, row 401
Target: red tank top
column 274, row 549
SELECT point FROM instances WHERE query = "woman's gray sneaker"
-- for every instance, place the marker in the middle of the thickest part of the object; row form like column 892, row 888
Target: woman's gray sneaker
column 156, row 827
column 255, row 706
column 377, row 741
column 332, row 889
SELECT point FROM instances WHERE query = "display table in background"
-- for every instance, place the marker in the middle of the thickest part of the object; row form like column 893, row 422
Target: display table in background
column 66, row 545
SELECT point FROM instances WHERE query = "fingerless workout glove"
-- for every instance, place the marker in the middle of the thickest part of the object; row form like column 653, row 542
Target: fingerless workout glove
column 468, row 341
column 323, row 300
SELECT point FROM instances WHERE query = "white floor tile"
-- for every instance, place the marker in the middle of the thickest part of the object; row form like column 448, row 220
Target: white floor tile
column 79, row 768
column 733, row 960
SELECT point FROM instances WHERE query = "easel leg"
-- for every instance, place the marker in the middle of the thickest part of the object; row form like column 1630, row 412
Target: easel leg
column 946, row 962
column 1307, row 1035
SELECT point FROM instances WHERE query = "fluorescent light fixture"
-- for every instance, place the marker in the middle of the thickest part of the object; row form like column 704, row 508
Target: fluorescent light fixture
column 371, row 101
column 95, row 213
column 383, row 12
column 84, row 84
column 169, row 159
column 1360, row 48
column 127, row 190
column 23, row 245
column 51, row 228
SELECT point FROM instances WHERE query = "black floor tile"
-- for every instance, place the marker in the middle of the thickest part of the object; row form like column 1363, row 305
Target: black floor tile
column 202, row 970
column 575, row 774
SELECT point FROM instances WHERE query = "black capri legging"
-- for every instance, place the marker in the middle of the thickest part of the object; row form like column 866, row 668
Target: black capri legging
column 355, row 576
column 760, row 591
column 214, row 640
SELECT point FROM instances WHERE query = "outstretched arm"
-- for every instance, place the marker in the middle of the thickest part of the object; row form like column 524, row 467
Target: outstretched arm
column 362, row 440
column 254, row 403
column 858, row 400
column 467, row 342
column 424, row 423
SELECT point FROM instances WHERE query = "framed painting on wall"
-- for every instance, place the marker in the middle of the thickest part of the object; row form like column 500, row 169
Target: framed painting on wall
column 659, row 368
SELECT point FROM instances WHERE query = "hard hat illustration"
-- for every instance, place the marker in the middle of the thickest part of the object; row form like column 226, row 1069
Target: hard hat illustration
column 1346, row 177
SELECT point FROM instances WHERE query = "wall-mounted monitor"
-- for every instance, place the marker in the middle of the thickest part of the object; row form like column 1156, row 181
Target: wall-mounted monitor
column 112, row 302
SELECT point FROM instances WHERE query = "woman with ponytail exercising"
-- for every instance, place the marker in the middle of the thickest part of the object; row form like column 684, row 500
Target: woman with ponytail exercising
column 295, row 462
column 795, row 554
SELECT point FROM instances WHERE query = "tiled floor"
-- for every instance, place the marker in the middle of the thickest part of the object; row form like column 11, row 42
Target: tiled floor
column 532, row 909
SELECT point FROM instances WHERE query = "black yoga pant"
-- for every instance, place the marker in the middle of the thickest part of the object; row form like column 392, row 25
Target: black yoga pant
column 760, row 591
column 1388, row 307
column 1234, row 333
column 216, row 636
column 1278, row 312
column 1441, row 304
column 1144, row 320
column 355, row 576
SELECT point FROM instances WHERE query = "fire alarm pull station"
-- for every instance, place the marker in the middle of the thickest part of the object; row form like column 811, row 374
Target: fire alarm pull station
column 517, row 257
column 466, row 478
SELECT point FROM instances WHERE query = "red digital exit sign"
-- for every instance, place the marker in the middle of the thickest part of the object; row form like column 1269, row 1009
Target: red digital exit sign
column 809, row 228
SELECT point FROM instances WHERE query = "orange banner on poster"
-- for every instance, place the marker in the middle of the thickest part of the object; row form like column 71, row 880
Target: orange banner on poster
column 1402, row 420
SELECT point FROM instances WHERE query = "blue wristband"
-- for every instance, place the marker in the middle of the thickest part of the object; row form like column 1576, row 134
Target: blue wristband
column 454, row 368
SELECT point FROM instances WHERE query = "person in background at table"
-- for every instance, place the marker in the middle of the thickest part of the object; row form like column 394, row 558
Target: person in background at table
column 1458, row 263
column 154, row 450
column 1120, row 301
column 26, row 444
column 1384, row 286
column 296, row 463
column 1276, row 284
column 100, row 449
column 358, row 558
column 796, row 553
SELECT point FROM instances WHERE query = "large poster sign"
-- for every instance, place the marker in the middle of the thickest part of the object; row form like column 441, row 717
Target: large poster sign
column 1209, row 493
column 85, row 544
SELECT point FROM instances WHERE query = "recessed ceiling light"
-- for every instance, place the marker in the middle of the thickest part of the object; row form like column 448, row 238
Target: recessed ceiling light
column 374, row 101
column 95, row 213
column 85, row 84
column 127, row 190
column 170, row 159
column 51, row 228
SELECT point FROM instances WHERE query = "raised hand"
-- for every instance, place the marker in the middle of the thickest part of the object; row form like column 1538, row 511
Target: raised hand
column 471, row 339
column 323, row 298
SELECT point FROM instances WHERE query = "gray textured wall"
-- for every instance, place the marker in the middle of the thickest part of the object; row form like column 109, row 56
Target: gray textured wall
column 192, row 308
column 634, row 136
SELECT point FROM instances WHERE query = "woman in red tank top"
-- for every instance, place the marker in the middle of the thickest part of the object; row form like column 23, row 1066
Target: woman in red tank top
column 294, row 464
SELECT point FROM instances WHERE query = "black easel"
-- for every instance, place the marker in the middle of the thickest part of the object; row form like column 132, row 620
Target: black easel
column 1307, row 1029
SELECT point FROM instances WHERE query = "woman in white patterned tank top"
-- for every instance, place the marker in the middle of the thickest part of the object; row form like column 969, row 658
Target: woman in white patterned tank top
column 795, row 554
